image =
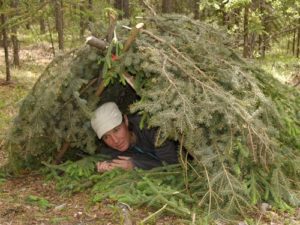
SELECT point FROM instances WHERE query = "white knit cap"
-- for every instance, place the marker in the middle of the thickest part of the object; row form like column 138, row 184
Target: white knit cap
column 105, row 118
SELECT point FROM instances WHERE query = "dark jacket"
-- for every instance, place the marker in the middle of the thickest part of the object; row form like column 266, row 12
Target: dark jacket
column 144, row 154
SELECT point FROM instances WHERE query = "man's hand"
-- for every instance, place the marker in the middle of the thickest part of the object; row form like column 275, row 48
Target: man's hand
column 123, row 162
column 104, row 166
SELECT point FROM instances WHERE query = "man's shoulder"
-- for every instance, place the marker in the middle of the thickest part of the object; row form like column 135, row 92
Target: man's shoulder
column 134, row 119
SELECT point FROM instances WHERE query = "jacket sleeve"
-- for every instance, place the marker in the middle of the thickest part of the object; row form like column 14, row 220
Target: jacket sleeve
column 109, row 152
column 167, row 152
column 145, row 162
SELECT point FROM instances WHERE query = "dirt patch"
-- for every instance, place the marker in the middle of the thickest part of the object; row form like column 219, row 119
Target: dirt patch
column 295, row 80
column 15, row 207
column 40, row 54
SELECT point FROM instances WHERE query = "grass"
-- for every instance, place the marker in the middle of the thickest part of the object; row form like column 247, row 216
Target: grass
column 33, row 61
column 282, row 67
column 281, row 64
column 12, row 94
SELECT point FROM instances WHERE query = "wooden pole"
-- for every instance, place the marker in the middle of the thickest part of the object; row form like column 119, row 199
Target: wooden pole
column 95, row 42
column 133, row 34
column 112, row 24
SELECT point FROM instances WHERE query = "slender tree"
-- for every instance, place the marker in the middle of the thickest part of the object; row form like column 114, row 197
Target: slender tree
column 246, row 32
column 82, row 22
column 14, row 37
column 42, row 21
column 224, row 13
column 90, row 8
column 298, row 40
column 123, row 6
column 261, row 48
column 5, row 43
column 59, row 22
column 167, row 6
column 294, row 41
column 194, row 7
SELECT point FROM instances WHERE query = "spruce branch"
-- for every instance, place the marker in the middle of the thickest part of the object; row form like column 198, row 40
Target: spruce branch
column 183, row 162
column 153, row 214
column 83, row 90
column 252, row 144
column 175, row 50
column 185, row 101
column 210, row 191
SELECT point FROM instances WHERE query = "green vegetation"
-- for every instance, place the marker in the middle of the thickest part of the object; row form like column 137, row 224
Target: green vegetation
column 40, row 202
column 238, row 122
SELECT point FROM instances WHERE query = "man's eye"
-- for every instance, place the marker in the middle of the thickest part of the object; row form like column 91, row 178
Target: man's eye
column 104, row 137
column 116, row 129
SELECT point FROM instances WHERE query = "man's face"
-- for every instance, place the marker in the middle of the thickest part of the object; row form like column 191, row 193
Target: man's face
column 119, row 137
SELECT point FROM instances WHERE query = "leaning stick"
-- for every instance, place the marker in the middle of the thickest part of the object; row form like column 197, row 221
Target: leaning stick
column 97, row 43
column 100, row 89
column 129, row 79
column 112, row 25
column 100, row 44
column 133, row 34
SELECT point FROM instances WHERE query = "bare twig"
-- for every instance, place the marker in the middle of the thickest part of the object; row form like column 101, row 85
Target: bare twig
column 153, row 214
column 147, row 4
column 129, row 79
column 183, row 163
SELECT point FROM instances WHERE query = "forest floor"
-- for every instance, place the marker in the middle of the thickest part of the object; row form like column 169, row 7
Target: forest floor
column 31, row 199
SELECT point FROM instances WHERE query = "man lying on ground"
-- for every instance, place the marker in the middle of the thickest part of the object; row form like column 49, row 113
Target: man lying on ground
column 127, row 144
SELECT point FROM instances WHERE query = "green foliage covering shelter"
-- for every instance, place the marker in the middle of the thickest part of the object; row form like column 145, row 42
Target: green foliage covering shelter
column 240, row 125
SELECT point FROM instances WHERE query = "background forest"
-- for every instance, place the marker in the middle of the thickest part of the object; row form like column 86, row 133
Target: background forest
column 258, row 26
column 34, row 32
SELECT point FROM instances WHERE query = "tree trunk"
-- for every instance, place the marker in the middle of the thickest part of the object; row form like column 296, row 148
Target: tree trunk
column 246, row 32
column 194, row 4
column 90, row 7
column 288, row 46
column 298, row 40
column 123, row 6
column 167, row 6
column 50, row 35
column 264, row 20
column 59, row 23
column 82, row 22
column 5, row 46
column 14, row 37
column 294, row 42
column 260, row 45
column 252, row 40
column 42, row 21
column 224, row 13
